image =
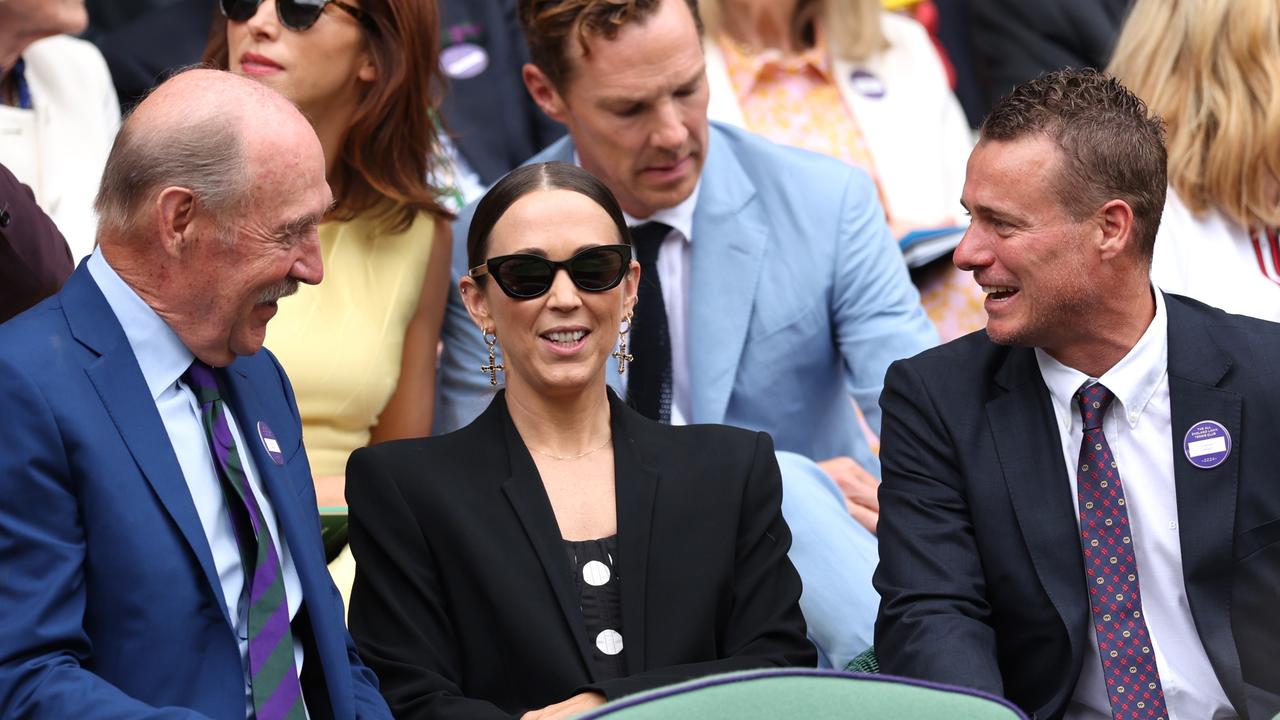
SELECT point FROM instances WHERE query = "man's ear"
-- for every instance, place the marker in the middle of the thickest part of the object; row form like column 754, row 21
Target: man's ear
column 1115, row 222
column 175, row 213
column 544, row 92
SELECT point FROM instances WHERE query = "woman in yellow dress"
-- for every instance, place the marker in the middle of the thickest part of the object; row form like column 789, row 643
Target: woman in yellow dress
column 360, row 348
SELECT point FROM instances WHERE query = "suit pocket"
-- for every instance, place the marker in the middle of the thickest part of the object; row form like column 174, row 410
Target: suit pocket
column 1251, row 541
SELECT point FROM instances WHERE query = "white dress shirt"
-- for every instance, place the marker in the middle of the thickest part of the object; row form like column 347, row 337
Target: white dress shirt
column 163, row 359
column 675, row 260
column 1138, row 429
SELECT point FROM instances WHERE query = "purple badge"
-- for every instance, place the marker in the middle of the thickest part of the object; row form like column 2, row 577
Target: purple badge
column 270, row 443
column 1207, row 444
column 866, row 84
column 464, row 60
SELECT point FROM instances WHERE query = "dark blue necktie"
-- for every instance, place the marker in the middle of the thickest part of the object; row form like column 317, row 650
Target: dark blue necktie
column 649, row 386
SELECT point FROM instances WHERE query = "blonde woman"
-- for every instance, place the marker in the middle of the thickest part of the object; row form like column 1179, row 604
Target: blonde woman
column 1211, row 69
column 850, row 80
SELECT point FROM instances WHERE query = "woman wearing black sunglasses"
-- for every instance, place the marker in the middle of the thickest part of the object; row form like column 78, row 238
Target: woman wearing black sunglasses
column 562, row 549
column 360, row 347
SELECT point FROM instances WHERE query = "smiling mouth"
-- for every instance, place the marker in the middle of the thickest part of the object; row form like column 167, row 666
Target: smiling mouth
column 999, row 292
column 567, row 338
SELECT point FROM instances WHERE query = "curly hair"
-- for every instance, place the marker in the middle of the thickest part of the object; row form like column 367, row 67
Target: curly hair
column 549, row 24
column 1112, row 147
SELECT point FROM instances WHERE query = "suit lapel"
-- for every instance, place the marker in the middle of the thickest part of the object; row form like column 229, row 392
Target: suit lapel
column 524, row 491
column 636, row 487
column 1030, row 454
column 124, row 393
column 1206, row 498
column 274, row 478
column 730, row 235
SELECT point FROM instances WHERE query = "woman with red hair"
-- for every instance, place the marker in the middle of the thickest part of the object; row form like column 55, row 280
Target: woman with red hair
column 360, row 348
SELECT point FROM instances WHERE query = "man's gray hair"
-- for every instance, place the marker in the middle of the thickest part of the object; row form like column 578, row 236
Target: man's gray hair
column 206, row 155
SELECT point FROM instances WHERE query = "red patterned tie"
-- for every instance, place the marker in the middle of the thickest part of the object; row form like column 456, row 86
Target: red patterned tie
column 1128, row 660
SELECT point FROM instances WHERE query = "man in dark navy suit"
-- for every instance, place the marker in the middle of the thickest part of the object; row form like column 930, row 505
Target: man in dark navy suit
column 158, row 532
column 482, row 53
column 1079, row 508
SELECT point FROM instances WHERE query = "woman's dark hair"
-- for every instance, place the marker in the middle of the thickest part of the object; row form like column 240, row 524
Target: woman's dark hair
column 393, row 145
column 530, row 178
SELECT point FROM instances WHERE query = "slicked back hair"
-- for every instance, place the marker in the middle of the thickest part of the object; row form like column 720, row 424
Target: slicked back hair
column 1112, row 147
column 532, row 178
column 550, row 25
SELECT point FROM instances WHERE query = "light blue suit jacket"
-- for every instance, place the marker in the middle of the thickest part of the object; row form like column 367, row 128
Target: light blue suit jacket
column 110, row 604
column 798, row 290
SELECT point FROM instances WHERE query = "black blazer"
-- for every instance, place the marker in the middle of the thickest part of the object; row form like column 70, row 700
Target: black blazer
column 464, row 600
column 1015, row 41
column 981, row 578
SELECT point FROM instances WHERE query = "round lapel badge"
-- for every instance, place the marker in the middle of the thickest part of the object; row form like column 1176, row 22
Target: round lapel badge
column 866, row 84
column 270, row 442
column 464, row 60
column 1207, row 444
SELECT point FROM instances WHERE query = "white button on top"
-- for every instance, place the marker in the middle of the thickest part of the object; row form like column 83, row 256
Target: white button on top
column 596, row 573
column 609, row 642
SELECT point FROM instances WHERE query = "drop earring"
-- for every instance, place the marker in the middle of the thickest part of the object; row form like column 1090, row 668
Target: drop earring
column 621, row 352
column 491, row 339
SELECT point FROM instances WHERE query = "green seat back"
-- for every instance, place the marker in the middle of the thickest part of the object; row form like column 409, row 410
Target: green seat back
column 805, row 693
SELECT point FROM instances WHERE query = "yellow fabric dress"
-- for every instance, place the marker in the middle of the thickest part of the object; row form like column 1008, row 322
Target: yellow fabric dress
column 340, row 341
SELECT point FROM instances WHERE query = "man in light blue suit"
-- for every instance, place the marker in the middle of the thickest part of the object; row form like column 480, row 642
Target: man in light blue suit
column 783, row 292
column 159, row 542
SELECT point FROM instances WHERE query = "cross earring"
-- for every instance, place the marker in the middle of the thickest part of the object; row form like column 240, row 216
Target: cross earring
column 491, row 339
column 621, row 352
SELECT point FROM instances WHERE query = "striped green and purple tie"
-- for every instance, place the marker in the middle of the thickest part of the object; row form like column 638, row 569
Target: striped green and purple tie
column 273, row 676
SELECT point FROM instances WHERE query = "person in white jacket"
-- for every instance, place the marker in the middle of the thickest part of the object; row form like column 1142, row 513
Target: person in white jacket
column 58, row 111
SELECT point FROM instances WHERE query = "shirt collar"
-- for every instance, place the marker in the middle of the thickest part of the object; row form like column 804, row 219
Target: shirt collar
column 746, row 68
column 1133, row 380
column 679, row 217
column 159, row 351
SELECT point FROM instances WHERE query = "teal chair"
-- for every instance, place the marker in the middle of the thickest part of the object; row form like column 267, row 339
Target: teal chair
column 803, row 693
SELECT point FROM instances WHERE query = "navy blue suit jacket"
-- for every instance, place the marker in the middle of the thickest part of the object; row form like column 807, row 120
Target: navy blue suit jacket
column 110, row 605
column 981, row 576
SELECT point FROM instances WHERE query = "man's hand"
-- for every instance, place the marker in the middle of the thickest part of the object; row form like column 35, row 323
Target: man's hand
column 575, row 705
column 861, row 490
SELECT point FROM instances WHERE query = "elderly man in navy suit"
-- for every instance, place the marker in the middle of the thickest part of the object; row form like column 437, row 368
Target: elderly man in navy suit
column 1080, row 508
column 158, row 533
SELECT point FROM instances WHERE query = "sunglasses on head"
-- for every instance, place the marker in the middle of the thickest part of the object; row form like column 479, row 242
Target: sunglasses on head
column 294, row 14
column 525, row 277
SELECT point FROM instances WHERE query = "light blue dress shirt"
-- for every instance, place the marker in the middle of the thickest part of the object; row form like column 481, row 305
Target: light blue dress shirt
column 163, row 359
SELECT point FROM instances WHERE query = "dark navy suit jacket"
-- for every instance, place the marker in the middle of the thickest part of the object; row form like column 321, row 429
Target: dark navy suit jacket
column 494, row 122
column 981, row 578
column 110, row 605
